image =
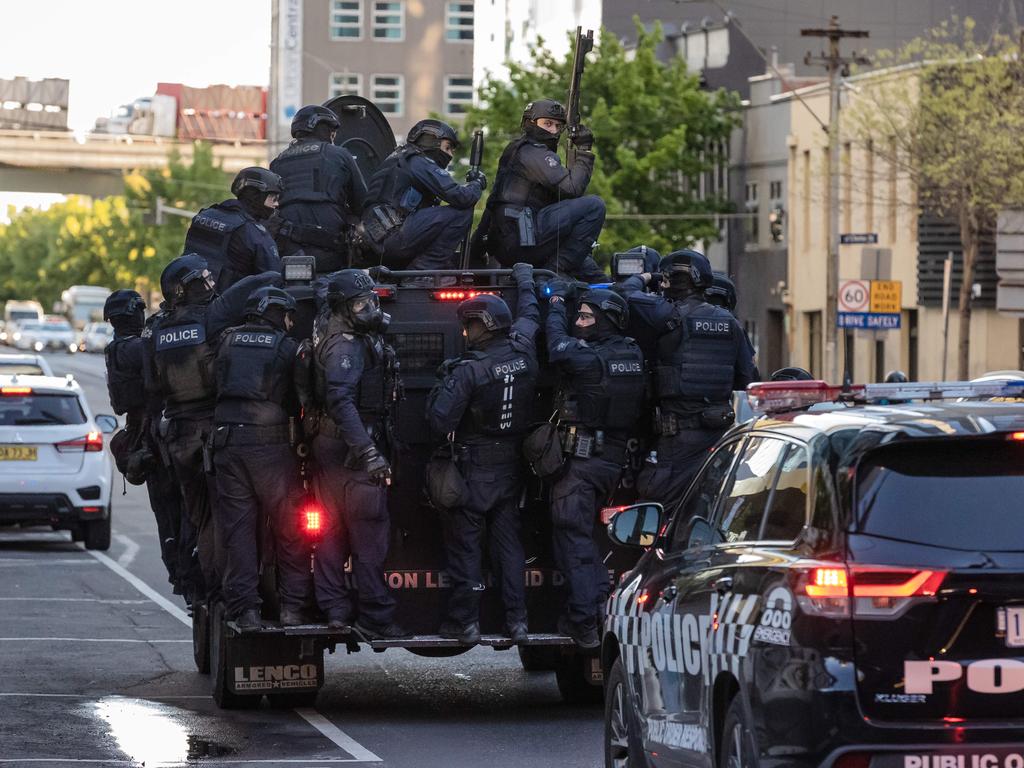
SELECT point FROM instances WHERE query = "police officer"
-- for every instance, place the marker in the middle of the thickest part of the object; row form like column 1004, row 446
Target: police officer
column 257, row 474
column 600, row 397
column 791, row 373
column 231, row 236
column 183, row 350
column 485, row 397
column 403, row 218
column 125, row 359
column 701, row 357
column 538, row 211
column 323, row 194
column 356, row 388
column 722, row 293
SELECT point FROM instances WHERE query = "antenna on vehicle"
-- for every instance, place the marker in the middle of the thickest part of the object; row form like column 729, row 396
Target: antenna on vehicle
column 69, row 379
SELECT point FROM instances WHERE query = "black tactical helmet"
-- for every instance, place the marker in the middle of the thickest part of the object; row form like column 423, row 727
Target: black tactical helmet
column 309, row 117
column 896, row 377
column 122, row 303
column 263, row 299
column 259, row 179
column 348, row 284
column 693, row 262
column 548, row 108
column 490, row 310
column 429, row 133
column 792, row 373
column 182, row 271
column 722, row 292
column 610, row 303
column 343, row 288
column 651, row 257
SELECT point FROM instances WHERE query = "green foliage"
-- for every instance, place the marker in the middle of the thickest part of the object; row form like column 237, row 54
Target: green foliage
column 657, row 134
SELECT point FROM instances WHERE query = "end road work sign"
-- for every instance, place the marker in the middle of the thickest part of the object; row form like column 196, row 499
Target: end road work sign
column 870, row 304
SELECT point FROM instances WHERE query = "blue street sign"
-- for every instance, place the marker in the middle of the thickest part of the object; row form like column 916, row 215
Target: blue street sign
column 870, row 321
column 858, row 238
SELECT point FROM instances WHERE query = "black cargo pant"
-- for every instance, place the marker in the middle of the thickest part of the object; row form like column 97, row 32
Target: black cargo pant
column 680, row 457
column 165, row 501
column 576, row 499
column 492, row 477
column 358, row 525
column 259, row 492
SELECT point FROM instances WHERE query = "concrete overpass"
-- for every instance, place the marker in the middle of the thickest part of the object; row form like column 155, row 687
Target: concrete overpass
column 53, row 161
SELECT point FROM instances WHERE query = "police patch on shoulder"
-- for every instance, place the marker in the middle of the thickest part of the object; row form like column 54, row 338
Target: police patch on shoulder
column 552, row 161
column 441, row 171
column 345, row 362
column 563, row 345
column 190, row 335
column 252, row 339
column 709, row 326
column 260, row 227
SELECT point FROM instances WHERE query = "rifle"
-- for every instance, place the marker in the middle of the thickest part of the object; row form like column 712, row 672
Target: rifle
column 476, row 159
column 584, row 45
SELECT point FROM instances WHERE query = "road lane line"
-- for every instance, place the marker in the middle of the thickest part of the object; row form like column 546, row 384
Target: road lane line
column 102, row 600
column 131, row 549
column 338, row 736
column 15, row 561
column 88, row 640
column 143, row 587
column 99, row 695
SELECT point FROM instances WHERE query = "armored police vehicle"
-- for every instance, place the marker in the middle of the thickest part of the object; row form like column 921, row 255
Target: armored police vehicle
column 842, row 585
column 286, row 663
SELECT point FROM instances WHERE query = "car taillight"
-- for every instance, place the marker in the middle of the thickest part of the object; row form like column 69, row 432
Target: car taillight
column 311, row 519
column 90, row 443
column 865, row 591
column 13, row 391
column 461, row 294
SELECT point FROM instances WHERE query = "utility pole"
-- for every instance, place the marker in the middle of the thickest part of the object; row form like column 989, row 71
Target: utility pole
column 838, row 67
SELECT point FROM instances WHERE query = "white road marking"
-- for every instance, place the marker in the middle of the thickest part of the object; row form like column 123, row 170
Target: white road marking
column 143, row 587
column 74, row 600
column 338, row 736
column 88, row 640
column 16, row 561
column 16, row 694
column 131, row 549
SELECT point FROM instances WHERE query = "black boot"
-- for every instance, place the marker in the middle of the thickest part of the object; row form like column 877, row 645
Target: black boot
column 518, row 632
column 467, row 634
column 249, row 620
column 583, row 635
column 291, row 617
column 390, row 631
column 339, row 620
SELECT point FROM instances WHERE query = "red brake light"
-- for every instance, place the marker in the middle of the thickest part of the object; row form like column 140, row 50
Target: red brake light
column 91, row 443
column 16, row 390
column 311, row 520
column 1017, row 435
column 896, row 582
column 461, row 294
column 866, row 591
column 827, row 582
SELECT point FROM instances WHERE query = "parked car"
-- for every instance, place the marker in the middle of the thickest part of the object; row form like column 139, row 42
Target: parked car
column 30, row 365
column 95, row 337
column 50, row 334
column 53, row 468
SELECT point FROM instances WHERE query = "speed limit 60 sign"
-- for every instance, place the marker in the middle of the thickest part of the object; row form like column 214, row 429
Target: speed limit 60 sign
column 854, row 295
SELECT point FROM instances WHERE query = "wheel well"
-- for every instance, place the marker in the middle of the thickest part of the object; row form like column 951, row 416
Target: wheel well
column 726, row 688
column 609, row 653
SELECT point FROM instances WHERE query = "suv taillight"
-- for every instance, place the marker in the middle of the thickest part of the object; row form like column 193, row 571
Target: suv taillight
column 90, row 443
column 864, row 591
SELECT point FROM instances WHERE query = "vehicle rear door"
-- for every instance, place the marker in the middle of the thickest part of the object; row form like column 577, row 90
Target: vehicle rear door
column 41, row 433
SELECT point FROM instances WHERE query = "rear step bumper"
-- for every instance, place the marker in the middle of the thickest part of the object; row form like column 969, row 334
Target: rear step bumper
column 417, row 641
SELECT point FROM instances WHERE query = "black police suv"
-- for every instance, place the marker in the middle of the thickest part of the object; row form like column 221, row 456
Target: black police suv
column 842, row 586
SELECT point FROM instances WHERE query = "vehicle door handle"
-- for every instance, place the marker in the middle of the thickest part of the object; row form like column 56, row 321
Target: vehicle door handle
column 669, row 593
column 723, row 584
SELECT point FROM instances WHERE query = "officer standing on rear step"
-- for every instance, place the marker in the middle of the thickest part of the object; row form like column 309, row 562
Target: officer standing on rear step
column 702, row 355
column 600, row 397
column 184, row 345
column 258, row 483
column 324, row 191
column 538, row 211
column 356, row 389
column 126, row 361
column 403, row 219
column 485, row 397
column 232, row 235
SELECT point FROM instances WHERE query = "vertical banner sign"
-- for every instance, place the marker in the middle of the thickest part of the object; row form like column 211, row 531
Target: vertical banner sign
column 289, row 71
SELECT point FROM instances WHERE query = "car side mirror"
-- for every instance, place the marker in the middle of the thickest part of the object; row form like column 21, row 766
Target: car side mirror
column 637, row 525
column 106, row 423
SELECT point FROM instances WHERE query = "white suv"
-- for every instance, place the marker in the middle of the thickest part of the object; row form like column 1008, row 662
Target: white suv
column 53, row 469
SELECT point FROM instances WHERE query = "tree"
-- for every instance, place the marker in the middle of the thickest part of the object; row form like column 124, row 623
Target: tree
column 949, row 112
column 660, row 140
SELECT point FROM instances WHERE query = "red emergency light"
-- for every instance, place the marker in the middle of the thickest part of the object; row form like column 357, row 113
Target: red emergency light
column 311, row 519
column 384, row 291
column 16, row 390
column 775, row 396
column 461, row 294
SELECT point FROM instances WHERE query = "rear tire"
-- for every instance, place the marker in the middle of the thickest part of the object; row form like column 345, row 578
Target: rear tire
column 97, row 533
column 623, row 747
column 218, row 669
column 737, row 749
column 573, row 677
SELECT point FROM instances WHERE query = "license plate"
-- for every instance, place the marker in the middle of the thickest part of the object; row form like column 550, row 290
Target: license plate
column 1011, row 621
column 18, row 452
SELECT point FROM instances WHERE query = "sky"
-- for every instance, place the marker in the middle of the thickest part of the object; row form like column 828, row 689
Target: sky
column 114, row 51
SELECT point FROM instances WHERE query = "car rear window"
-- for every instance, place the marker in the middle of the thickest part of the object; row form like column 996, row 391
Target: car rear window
column 963, row 494
column 40, row 409
column 24, row 369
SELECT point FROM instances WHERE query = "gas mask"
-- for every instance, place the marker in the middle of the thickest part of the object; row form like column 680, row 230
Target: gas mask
column 366, row 314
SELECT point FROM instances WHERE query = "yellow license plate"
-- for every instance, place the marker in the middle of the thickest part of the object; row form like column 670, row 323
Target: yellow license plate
column 18, row 452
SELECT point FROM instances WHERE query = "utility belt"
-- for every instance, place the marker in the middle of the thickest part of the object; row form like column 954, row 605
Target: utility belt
column 712, row 417
column 250, row 434
column 381, row 220
column 497, row 452
column 307, row 234
column 524, row 222
column 583, row 443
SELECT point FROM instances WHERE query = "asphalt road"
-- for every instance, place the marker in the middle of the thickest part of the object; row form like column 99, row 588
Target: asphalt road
column 96, row 669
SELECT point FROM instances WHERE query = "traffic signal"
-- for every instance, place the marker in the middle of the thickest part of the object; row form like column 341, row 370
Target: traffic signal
column 777, row 224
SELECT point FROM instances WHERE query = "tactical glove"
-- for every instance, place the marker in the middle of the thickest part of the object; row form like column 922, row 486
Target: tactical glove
column 582, row 138
column 563, row 289
column 522, row 273
column 477, row 176
column 380, row 274
column 376, row 466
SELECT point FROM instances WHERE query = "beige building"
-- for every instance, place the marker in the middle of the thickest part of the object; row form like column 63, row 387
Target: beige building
column 875, row 197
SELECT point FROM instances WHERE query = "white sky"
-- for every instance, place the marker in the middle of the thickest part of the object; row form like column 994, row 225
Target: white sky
column 114, row 51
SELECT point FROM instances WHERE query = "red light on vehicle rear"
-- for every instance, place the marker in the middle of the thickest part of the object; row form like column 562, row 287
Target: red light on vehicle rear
column 877, row 582
column 94, row 441
column 643, row 597
column 16, row 390
column 1017, row 435
column 461, row 295
column 92, row 510
column 828, row 582
column 312, row 520
column 384, row 291
column 91, row 442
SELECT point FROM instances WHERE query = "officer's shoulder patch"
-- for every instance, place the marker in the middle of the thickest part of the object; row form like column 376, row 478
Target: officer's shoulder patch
column 710, row 326
column 552, row 161
column 147, row 332
column 260, row 227
column 563, row 345
column 440, row 171
column 345, row 362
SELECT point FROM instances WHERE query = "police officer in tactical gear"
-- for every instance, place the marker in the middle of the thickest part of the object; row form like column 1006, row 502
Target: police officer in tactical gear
column 484, row 399
column 600, row 397
column 257, row 476
column 403, row 218
column 722, row 293
column 356, row 388
column 324, row 191
column 126, row 362
column 701, row 356
column 537, row 211
column 232, row 235
column 183, row 350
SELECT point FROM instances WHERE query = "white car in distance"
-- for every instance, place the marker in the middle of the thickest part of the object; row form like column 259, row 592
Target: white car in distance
column 54, row 470
column 49, row 334
column 95, row 337
column 24, row 365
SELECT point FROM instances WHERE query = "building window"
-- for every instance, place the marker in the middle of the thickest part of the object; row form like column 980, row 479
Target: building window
column 346, row 19
column 388, row 94
column 458, row 94
column 775, row 190
column 814, row 338
column 344, row 84
column 458, row 21
column 753, row 223
column 388, row 20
